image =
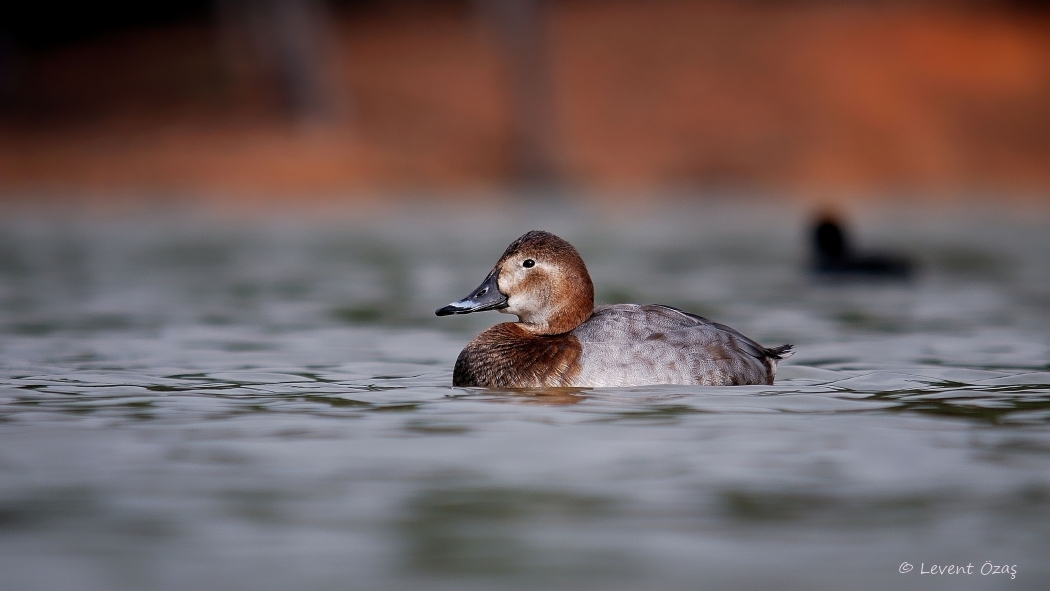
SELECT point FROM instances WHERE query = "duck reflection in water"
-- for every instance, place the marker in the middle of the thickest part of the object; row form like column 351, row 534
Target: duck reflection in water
column 833, row 256
column 542, row 396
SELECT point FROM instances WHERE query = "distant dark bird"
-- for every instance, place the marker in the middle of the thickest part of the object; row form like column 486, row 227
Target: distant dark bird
column 833, row 255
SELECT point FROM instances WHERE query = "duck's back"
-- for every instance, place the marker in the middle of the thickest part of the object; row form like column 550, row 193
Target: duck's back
column 631, row 344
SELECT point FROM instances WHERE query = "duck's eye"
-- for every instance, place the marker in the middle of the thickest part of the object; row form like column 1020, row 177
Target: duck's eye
column 528, row 263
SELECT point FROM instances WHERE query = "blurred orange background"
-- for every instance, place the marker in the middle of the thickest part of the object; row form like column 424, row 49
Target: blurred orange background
column 240, row 98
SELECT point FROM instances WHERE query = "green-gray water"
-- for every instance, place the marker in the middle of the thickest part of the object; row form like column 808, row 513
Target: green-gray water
column 190, row 402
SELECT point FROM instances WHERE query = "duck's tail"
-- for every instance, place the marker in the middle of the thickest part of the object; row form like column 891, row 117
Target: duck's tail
column 775, row 354
column 781, row 352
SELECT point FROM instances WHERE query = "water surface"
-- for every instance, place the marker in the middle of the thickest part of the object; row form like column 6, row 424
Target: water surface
column 195, row 401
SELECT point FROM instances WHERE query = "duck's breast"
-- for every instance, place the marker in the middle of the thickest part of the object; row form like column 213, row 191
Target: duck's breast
column 508, row 356
column 630, row 345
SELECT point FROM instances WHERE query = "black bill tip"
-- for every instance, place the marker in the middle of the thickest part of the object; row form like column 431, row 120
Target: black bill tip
column 450, row 310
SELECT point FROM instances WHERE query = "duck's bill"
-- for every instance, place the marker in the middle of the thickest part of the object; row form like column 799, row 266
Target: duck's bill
column 486, row 297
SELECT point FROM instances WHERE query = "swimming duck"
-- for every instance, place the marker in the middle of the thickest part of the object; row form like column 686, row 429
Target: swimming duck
column 562, row 340
column 835, row 257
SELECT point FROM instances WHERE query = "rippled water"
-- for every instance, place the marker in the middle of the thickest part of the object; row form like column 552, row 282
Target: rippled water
column 188, row 401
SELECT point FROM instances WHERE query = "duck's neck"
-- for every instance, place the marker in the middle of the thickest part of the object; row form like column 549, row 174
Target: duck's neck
column 569, row 312
column 556, row 324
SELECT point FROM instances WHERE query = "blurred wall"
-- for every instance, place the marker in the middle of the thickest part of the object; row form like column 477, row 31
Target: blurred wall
column 300, row 96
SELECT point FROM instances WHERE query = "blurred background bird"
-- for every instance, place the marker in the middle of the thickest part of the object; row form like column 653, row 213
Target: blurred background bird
column 834, row 255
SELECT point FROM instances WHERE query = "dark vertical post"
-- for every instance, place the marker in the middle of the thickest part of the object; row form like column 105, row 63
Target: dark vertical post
column 285, row 43
column 9, row 68
column 519, row 27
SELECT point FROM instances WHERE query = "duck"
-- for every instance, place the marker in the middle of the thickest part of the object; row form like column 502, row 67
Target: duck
column 561, row 340
column 834, row 256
